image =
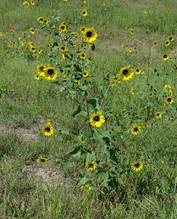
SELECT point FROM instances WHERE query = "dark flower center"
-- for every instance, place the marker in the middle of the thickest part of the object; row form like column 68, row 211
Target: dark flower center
column 42, row 160
column 42, row 68
column 137, row 165
column 50, row 71
column 47, row 129
column 125, row 72
column 135, row 129
column 169, row 99
column 89, row 33
column 62, row 27
column 96, row 118
column 90, row 165
column 165, row 56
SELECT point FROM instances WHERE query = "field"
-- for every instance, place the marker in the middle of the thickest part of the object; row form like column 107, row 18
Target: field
column 88, row 109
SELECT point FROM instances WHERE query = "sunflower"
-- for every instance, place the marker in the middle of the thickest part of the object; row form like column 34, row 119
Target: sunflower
column 131, row 49
column 40, row 20
column 158, row 115
column 41, row 160
column 114, row 80
column 82, row 29
column 131, row 31
column 137, row 166
column 32, row 30
column 84, row 13
column 126, row 73
column 169, row 100
column 50, row 73
column 32, row 2
column 25, row 4
column 32, row 48
column 168, row 88
column 167, row 43
column 171, row 38
column 82, row 55
column 74, row 34
column 63, row 48
column 47, row 129
column 86, row 188
column 136, row 129
column 85, row 74
column 91, row 165
column 146, row 125
column 97, row 119
column 63, row 27
column 11, row 43
column 89, row 35
column 138, row 71
column 77, row 82
column 41, row 69
column 166, row 57
column 37, row 76
column 175, row 65
column 46, row 21
column 39, row 51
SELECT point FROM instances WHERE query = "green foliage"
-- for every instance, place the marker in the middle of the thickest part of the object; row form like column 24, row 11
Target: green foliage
column 97, row 159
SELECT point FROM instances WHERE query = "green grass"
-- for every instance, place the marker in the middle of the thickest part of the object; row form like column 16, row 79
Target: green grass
column 25, row 103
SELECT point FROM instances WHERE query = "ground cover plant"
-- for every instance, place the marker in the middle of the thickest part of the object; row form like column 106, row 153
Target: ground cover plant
column 88, row 109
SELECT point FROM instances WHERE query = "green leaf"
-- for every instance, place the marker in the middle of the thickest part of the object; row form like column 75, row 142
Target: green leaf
column 83, row 181
column 93, row 102
column 77, row 111
column 102, row 135
column 113, row 157
column 75, row 151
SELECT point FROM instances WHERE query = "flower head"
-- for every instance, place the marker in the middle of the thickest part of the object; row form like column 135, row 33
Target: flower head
column 97, row 119
column 89, row 34
column 137, row 166
column 50, row 73
column 32, row 30
column 126, row 73
column 41, row 160
column 47, row 129
column 40, row 20
column 85, row 73
column 158, row 115
column 136, row 129
column 91, row 165
column 166, row 57
column 63, row 27
column 169, row 100
column 84, row 13
column 25, row 4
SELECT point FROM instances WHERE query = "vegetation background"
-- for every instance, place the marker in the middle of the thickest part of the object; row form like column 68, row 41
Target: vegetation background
column 30, row 190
